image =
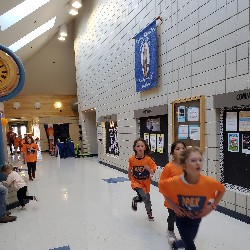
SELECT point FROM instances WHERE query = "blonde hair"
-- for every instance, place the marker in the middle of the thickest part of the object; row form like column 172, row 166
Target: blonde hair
column 6, row 167
column 185, row 153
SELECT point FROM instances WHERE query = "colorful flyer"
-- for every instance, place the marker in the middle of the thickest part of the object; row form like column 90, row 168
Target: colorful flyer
column 246, row 143
column 193, row 114
column 183, row 132
column 153, row 142
column 181, row 114
column 233, row 142
column 231, row 121
column 194, row 132
column 146, row 137
column 160, row 143
column 244, row 121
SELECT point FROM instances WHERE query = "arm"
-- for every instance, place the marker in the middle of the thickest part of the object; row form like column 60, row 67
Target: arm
column 209, row 208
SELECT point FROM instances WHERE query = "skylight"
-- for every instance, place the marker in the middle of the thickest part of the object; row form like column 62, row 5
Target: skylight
column 32, row 35
column 19, row 12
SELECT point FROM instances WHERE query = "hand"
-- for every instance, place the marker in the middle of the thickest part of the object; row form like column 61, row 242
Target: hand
column 179, row 211
column 147, row 168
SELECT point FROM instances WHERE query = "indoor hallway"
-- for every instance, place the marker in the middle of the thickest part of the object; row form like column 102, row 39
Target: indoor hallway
column 84, row 205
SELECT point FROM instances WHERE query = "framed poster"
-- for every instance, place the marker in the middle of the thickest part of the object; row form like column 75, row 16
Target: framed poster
column 188, row 119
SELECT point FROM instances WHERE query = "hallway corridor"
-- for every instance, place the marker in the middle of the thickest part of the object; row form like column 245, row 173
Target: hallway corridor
column 81, row 208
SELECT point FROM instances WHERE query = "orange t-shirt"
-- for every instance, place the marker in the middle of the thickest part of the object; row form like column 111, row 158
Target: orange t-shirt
column 140, row 177
column 169, row 171
column 191, row 197
column 30, row 155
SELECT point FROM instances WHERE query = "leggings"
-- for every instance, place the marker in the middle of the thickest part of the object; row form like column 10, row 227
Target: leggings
column 143, row 197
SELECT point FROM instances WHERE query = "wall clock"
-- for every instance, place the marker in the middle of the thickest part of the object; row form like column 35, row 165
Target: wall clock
column 12, row 74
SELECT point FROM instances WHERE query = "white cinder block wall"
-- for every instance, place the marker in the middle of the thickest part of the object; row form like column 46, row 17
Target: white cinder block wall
column 203, row 50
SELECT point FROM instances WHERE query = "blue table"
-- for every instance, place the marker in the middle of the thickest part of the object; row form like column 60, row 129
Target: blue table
column 66, row 150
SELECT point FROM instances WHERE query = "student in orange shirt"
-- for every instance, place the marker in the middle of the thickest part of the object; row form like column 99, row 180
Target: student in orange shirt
column 30, row 149
column 17, row 141
column 191, row 196
column 141, row 167
column 173, row 168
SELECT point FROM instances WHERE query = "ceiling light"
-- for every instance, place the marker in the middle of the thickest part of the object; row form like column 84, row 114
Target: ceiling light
column 76, row 4
column 16, row 105
column 61, row 38
column 63, row 30
column 73, row 11
column 57, row 105
column 32, row 35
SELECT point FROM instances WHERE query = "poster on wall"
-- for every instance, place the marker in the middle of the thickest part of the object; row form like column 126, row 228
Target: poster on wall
column 246, row 144
column 153, row 124
column 194, row 132
column 146, row 58
column 181, row 114
column 233, row 142
column 99, row 132
column 244, row 121
column 193, row 114
column 153, row 142
column 231, row 121
column 160, row 143
column 112, row 146
column 182, row 132
column 146, row 137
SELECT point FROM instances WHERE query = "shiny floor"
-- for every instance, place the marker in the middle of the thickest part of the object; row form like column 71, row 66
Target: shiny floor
column 79, row 210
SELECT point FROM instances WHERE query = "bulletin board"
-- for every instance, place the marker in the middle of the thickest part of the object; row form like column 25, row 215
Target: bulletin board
column 188, row 121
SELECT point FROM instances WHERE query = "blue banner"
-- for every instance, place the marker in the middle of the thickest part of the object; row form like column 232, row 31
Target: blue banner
column 146, row 58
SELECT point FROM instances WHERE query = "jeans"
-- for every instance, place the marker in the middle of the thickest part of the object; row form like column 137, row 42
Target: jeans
column 3, row 195
column 188, row 229
column 143, row 197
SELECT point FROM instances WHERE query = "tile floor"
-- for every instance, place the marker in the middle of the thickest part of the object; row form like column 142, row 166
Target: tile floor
column 79, row 210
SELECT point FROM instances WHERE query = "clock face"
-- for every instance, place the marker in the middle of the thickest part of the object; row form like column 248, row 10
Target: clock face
column 8, row 74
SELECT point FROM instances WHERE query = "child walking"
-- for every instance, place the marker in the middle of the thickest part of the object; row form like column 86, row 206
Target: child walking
column 18, row 183
column 141, row 167
column 173, row 168
column 191, row 196
column 30, row 149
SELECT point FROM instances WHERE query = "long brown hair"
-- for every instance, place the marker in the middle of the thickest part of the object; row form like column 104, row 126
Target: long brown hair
column 147, row 150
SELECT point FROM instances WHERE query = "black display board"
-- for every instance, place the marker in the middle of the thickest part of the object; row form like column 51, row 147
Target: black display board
column 157, row 125
column 112, row 146
column 236, row 147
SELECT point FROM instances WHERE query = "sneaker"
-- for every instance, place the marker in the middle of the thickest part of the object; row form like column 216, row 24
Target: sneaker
column 23, row 208
column 150, row 217
column 171, row 238
column 34, row 175
column 134, row 204
column 30, row 178
column 35, row 198
column 7, row 219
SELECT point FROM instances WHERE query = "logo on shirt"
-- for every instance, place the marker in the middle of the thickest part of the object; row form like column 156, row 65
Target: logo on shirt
column 192, row 203
column 140, row 173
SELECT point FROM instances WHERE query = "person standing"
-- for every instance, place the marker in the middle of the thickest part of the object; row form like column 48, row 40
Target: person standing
column 173, row 168
column 192, row 196
column 30, row 149
column 10, row 139
column 141, row 167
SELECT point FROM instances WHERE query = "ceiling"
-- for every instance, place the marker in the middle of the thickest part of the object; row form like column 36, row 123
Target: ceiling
column 31, row 22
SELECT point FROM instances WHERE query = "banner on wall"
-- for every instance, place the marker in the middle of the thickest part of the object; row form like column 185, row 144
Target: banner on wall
column 146, row 58
column 112, row 146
